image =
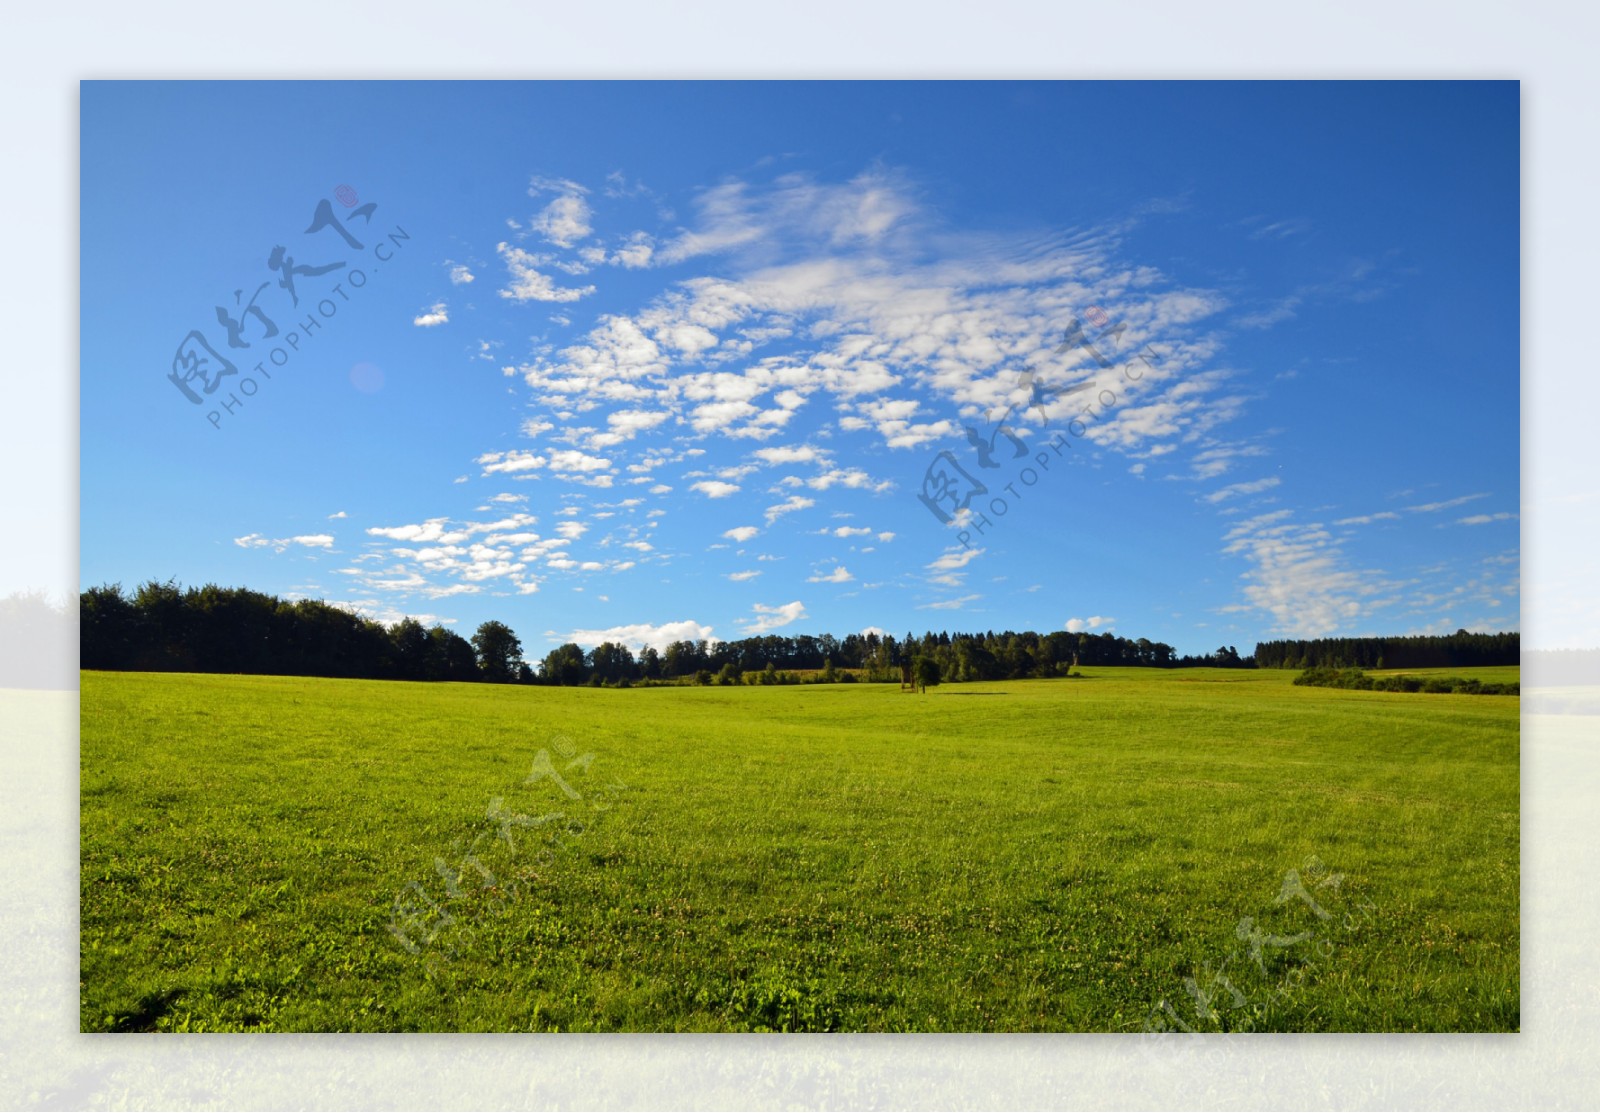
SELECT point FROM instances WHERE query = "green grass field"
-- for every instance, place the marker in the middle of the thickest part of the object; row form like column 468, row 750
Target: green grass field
column 263, row 853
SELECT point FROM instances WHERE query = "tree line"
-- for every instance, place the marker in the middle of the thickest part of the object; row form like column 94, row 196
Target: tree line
column 1458, row 650
column 163, row 627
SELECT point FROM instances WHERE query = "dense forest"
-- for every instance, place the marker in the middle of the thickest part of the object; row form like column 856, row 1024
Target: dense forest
column 164, row 627
column 1458, row 650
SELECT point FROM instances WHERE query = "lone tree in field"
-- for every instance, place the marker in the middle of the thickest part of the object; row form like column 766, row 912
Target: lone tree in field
column 926, row 671
column 499, row 652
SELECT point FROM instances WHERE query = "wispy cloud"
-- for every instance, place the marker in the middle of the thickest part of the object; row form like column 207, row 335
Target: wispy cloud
column 1368, row 519
column 1299, row 575
column 949, row 604
column 1233, row 490
column 1265, row 228
column 1431, row 507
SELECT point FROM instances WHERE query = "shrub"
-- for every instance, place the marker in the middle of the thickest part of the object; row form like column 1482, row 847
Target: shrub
column 1356, row 680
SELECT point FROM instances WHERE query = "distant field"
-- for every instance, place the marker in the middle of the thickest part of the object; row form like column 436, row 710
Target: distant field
column 263, row 853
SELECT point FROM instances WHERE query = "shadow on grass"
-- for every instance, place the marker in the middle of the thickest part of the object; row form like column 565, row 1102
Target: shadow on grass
column 152, row 1007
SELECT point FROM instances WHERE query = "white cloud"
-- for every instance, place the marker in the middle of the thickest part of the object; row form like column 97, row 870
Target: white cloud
column 1093, row 622
column 373, row 609
column 714, row 489
column 624, row 425
column 529, row 284
column 840, row 575
column 793, row 454
column 637, row 252
column 438, row 315
column 568, row 459
column 742, row 577
column 854, row 478
column 640, row 634
column 1368, row 519
column 1250, row 488
column 461, row 275
column 955, row 330
column 771, row 618
column 339, row 514
column 1430, row 507
column 1281, row 310
column 858, row 213
column 453, row 589
column 306, row 540
column 1483, row 519
column 949, row 604
column 563, row 461
column 511, row 461
column 788, row 506
column 741, row 533
column 953, row 558
column 1300, row 576
column 563, row 221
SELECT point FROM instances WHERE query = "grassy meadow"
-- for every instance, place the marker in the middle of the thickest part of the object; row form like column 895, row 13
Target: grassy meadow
column 1108, row 853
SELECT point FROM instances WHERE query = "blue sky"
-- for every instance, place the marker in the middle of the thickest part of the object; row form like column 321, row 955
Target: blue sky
column 648, row 361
